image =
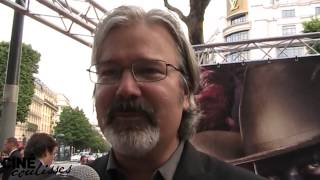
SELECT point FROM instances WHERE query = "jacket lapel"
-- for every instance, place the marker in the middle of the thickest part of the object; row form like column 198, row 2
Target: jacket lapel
column 192, row 163
column 100, row 165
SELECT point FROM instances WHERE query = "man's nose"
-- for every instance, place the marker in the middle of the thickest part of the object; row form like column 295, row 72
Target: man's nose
column 128, row 87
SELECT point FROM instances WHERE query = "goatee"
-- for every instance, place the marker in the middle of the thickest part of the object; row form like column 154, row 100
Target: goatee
column 132, row 141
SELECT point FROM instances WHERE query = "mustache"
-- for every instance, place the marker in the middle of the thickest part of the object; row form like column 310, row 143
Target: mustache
column 130, row 105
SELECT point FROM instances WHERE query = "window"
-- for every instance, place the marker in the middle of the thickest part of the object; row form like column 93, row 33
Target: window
column 239, row 19
column 238, row 36
column 237, row 56
column 288, row 30
column 317, row 10
column 290, row 52
column 286, row 1
column 288, row 13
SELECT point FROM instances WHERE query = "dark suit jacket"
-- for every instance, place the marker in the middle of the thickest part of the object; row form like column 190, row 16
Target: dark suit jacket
column 192, row 165
column 6, row 171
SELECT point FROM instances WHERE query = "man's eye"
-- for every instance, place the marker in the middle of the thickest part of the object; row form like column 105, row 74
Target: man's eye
column 149, row 71
column 108, row 72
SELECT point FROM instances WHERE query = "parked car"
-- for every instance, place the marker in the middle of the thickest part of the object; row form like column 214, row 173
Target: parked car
column 75, row 158
column 91, row 157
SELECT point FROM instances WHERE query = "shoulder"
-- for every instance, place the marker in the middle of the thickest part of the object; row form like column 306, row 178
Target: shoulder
column 100, row 165
column 202, row 166
column 16, row 154
column 227, row 171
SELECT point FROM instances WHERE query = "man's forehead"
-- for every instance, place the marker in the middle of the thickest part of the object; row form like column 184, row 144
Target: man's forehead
column 118, row 45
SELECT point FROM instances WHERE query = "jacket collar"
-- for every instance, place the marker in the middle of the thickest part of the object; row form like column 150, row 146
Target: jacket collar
column 193, row 163
column 12, row 151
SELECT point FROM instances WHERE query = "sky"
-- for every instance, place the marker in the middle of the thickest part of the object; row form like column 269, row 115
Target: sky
column 64, row 61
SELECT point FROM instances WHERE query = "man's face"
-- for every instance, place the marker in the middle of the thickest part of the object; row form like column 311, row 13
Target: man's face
column 49, row 156
column 7, row 147
column 137, row 116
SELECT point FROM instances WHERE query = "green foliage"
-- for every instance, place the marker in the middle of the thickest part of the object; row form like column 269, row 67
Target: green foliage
column 32, row 127
column 28, row 67
column 4, row 48
column 98, row 144
column 312, row 26
column 77, row 130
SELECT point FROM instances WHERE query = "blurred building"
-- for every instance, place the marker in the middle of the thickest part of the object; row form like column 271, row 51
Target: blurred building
column 252, row 19
column 62, row 102
column 43, row 112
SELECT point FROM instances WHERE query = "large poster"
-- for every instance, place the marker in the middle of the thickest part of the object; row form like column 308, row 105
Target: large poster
column 264, row 116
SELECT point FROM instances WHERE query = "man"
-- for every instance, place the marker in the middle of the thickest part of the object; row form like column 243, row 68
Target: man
column 146, row 76
column 40, row 149
column 11, row 148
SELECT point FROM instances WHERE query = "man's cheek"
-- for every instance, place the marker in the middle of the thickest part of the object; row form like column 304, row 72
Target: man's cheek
column 101, row 114
column 101, row 123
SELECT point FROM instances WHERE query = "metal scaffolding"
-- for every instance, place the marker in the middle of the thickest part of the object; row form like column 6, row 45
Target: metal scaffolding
column 257, row 49
column 79, row 18
column 74, row 18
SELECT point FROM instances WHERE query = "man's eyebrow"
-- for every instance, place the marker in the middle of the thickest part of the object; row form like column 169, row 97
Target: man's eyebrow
column 109, row 62
column 116, row 61
column 100, row 61
column 148, row 59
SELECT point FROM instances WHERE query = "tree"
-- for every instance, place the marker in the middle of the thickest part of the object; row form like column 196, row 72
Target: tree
column 74, row 126
column 28, row 67
column 312, row 26
column 98, row 144
column 194, row 20
column 77, row 130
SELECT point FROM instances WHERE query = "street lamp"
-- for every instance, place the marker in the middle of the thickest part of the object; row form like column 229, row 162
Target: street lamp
column 24, row 140
column 59, row 138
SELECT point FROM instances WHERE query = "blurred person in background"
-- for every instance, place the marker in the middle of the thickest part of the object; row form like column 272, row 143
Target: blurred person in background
column 84, row 159
column 42, row 148
column 11, row 149
column 21, row 151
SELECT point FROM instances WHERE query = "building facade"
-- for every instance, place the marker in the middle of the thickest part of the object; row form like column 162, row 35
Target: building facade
column 43, row 112
column 62, row 101
column 252, row 19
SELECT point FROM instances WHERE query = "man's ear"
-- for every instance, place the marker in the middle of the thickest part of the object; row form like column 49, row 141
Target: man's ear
column 93, row 98
column 94, row 90
column 186, row 103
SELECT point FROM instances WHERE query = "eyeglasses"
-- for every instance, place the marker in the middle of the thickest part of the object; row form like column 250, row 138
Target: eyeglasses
column 142, row 71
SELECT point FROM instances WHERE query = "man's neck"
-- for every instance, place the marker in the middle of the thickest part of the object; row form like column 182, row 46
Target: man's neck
column 42, row 161
column 144, row 167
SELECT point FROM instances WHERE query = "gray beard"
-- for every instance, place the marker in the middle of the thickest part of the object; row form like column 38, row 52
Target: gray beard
column 133, row 143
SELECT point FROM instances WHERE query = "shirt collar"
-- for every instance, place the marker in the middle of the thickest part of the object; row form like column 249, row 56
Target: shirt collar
column 167, row 170
column 111, row 162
